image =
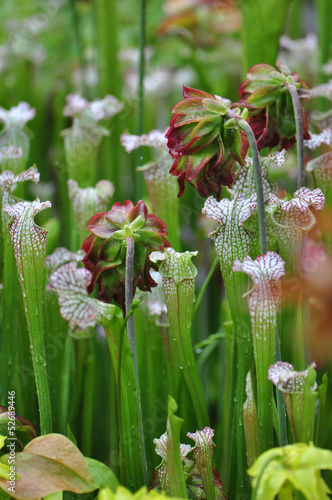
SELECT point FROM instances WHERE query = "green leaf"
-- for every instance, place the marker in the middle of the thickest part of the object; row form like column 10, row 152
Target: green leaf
column 323, row 416
column 296, row 465
column 70, row 435
column 177, row 485
column 220, row 106
column 54, row 496
column 264, row 96
column 130, row 452
column 49, row 464
column 262, row 25
column 102, row 475
column 29, row 242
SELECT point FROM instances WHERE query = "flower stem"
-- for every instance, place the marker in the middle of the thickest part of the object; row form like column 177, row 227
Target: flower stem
column 259, row 184
column 281, row 402
column 131, row 336
column 141, row 70
column 140, row 97
column 299, row 135
column 205, row 284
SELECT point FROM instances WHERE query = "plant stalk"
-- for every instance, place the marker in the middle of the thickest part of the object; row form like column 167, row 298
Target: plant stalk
column 131, row 336
column 258, row 180
column 205, row 284
column 299, row 135
column 283, row 440
column 140, row 96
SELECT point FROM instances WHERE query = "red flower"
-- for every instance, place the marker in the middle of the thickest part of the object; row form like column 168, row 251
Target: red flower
column 271, row 113
column 106, row 249
column 205, row 152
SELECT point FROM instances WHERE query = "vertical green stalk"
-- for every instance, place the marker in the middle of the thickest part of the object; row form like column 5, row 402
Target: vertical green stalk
column 177, row 484
column 283, row 439
column 299, row 135
column 258, row 181
column 324, row 14
column 9, row 317
column 140, row 96
column 29, row 243
column 131, row 335
column 141, row 73
column 205, row 284
column 87, row 410
column 110, row 82
column 79, row 45
column 262, row 25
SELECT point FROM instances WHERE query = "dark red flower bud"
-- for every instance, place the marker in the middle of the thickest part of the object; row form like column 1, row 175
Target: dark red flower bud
column 205, row 152
column 271, row 113
column 106, row 249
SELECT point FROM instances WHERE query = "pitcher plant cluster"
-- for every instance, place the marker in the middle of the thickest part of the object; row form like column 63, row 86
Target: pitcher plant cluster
column 126, row 283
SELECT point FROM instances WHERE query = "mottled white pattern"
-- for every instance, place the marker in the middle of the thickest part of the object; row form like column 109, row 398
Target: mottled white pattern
column 203, row 439
column 156, row 307
column 161, row 450
column 323, row 90
column 97, row 110
column 231, row 239
column 70, row 283
column 29, row 240
column 155, row 139
column 316, row 140
column 60, row 256
column 8, row 179
column 20, row 114
column 245, row 185
column 321, row 167
column 175, row 265
column 89, row 201
column 288, row 380
column 263, row 299
column 11, row 152
column 302, row 199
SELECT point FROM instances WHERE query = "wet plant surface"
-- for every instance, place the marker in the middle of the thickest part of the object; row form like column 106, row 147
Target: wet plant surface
column 166, row 249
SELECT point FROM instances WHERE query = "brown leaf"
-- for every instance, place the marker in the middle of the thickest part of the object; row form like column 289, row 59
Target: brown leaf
column 49, row 464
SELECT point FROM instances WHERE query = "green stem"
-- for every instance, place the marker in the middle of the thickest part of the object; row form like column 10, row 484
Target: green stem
column 281, row 402
column 140, row 97
column 205, row 284
column 142, row 42
column 88, row 399
column 107, row 21
column 65, row 380
column 242, row 370
column 80, row 349
column 299, row 135
column 258, row 180
column 36, row 337
column 9, row 319
column 79, row 45
column 129, row 296
column 131, row 336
